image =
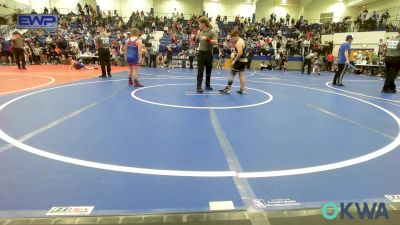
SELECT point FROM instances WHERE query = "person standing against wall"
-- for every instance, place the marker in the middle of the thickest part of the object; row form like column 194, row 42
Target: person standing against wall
column 102, row 43
column 18, row 49
column 392, row 62
column 343, row 61
column 207, row 39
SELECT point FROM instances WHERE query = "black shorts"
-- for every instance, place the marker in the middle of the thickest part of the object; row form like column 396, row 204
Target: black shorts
column 239, row 66
column 7, row 53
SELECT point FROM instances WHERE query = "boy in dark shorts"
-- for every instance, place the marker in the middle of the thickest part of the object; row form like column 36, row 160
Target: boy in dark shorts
column 238, row 64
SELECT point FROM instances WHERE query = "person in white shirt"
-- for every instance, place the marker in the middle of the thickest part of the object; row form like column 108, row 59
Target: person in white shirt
column 359, row 57
column 317, row 65
column 364, row 61
column 49, row 39
column 37, row 52
column 277, row 60
column 306, row 46
column 182, row 54
column 279, row 33
column 263, row 65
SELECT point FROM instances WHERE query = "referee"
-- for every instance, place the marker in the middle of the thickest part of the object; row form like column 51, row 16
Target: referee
column 207, row 38
column 392, row 62
column 102, row 44
column 18, row 49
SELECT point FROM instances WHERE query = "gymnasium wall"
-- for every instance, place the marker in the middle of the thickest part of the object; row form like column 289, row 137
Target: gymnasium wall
column 64, row 4
column 327, row 37
column 265, row 8
column 109, row 4
column 187, row 7
column 89, row 2
column 128, row 6
column 312, row 11
column 393, row 6
column 38, row 5
column 229, row 8
column 391, row 34
column 6, row 11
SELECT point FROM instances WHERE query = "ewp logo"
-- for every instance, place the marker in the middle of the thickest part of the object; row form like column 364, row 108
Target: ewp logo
column 37, row 21
column 362, row 211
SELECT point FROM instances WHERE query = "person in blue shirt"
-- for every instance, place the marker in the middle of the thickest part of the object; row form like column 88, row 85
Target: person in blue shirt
column 343, row 60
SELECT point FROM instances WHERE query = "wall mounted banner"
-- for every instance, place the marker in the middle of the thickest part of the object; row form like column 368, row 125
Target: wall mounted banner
column 35, row 21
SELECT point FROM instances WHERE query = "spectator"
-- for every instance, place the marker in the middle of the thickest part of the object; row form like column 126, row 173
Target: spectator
column 192, row 53
column 86, row 8
column 318, row 62
column 220, row 58
column 359, row 58
column 169, row 56
column 37, row 52
column 263, row 65
column 330, row 58
column 182, row 54
column 385, row 16
column 6, row 48
column 55, row 56
column 55, row 11
column 287, row 19
column 307, row 62
column 284, row 61
column 306, row 47
column 364, row 15
column 28, row 53
column 160, row 61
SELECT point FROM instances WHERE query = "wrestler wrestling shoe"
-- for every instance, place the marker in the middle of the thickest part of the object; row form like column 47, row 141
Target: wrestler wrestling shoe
column 242, row 92
column 137, row 84
column 225, row 91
